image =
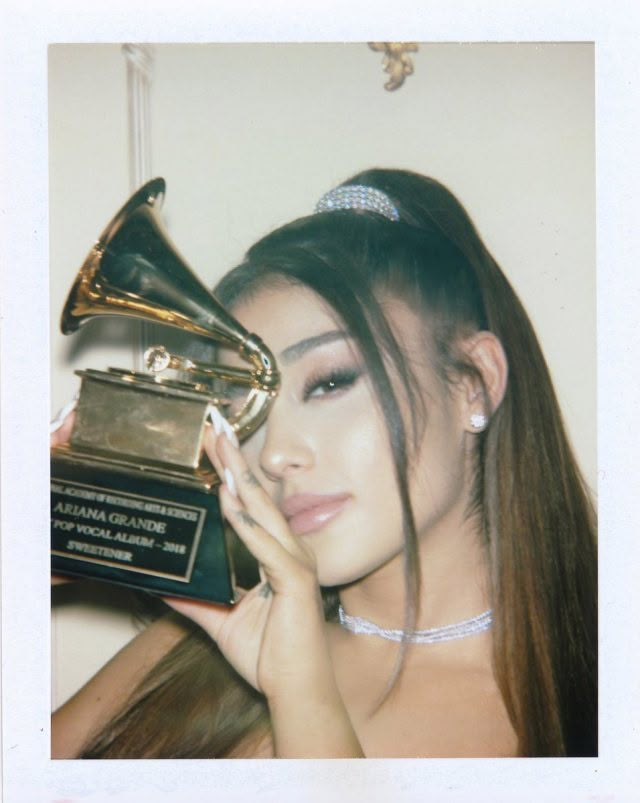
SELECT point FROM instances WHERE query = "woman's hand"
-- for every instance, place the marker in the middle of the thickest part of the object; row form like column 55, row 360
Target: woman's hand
column 275, row 636
column 62, row 425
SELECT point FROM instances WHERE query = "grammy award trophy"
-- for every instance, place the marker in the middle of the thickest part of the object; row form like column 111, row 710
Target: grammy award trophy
column 133, row 496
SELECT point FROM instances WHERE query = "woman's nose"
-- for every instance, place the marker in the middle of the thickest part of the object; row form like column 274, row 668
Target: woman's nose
column 286, row 448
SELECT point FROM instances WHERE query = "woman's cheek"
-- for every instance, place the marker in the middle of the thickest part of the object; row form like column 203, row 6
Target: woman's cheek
column 360, row 437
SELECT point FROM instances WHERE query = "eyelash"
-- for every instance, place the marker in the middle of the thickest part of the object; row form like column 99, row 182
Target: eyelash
column 332, row 382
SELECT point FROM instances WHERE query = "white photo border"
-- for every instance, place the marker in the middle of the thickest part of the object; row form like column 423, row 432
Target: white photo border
column 27, row 30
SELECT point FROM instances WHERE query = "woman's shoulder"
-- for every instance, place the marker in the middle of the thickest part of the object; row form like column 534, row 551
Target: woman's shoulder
column 106, row 692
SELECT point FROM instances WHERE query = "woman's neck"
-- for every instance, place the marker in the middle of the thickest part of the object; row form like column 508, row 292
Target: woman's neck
column 453, row 582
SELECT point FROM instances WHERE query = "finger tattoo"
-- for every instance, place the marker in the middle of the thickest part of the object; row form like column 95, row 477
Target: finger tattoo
column 245, row 518
column 250, row 478
column 265, row 589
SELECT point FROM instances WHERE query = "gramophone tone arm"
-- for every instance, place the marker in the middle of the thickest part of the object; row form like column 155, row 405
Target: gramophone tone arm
column 157, row 359
column 263, row 382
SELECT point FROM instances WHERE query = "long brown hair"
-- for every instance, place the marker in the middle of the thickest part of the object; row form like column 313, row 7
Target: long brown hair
column 537, row 520
column 191, row 704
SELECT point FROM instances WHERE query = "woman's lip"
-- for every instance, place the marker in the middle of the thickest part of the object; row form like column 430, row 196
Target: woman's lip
column 306, row 513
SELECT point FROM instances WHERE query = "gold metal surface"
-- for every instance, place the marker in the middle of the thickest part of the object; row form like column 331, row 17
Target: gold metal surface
column 134, row 270
column 138, row 438
column 396, row 62
column 140, row 421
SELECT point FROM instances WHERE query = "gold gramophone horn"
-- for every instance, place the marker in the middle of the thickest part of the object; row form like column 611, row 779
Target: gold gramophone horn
column 134, row 270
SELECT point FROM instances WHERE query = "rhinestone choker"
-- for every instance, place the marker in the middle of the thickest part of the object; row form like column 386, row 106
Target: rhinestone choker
column 434, row 635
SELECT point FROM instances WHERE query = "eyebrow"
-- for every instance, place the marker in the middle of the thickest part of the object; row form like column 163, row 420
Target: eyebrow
column 297, row 350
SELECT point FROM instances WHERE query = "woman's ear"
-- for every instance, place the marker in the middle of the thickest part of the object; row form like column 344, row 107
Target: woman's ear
column 483, row 393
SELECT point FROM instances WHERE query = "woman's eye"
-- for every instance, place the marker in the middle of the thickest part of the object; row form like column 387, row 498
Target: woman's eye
column 330, row 384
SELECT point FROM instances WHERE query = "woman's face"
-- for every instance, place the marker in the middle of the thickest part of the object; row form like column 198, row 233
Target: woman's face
column 324, row 455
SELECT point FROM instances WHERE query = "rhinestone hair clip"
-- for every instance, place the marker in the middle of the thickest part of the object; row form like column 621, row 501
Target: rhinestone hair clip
column 357, row 196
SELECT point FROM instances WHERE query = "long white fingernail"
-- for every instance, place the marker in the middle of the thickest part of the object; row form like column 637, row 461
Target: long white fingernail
column 230, row 482
column 230, row 433
column 58, row 421
column 216, row 418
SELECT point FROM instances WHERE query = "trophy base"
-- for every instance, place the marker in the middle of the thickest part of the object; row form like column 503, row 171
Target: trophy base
column 136, row 528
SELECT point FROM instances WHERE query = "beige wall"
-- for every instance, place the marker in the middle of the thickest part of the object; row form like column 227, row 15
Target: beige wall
column 249, row 136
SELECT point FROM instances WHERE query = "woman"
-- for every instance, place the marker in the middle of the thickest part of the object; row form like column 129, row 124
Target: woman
column 427, row 542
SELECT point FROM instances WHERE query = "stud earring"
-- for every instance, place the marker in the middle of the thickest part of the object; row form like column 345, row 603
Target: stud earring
column 478, row 421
